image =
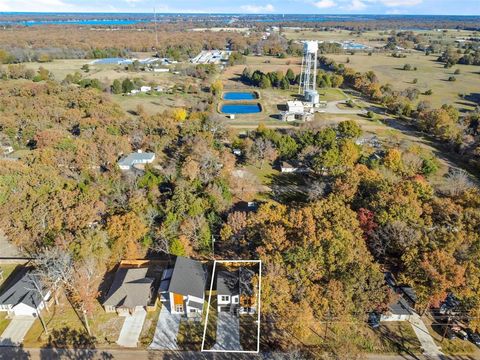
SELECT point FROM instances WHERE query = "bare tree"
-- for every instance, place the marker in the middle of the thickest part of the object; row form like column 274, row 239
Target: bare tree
column 456, row 183
column 55, row 268
column 85, row 283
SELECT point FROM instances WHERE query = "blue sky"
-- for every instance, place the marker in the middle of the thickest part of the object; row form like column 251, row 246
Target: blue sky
column 440, row 7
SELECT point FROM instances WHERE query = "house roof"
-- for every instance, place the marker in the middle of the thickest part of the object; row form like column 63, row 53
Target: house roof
column 135, row 158
column 227, row 283
column 400, row 307
column 195, row 305
column 238, row 282
column 130, row 288
column 188, row 278
column 20, row 289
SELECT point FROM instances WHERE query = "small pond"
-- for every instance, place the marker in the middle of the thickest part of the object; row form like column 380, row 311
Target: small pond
column 241, row 108
column 239, row 96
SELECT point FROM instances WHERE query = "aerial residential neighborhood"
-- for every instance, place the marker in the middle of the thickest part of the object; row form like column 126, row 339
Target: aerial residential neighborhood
column 282, row 180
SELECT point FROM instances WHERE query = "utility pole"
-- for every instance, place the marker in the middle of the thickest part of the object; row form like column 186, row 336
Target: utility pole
column 156, row 32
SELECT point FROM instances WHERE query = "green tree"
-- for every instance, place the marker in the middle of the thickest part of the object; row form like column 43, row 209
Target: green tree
column 127, row 86
column 117, row 87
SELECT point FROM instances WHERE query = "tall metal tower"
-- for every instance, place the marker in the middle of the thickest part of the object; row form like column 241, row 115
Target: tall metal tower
column 308, row 76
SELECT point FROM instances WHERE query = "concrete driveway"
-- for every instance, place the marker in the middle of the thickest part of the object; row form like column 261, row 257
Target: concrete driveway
column 166, row 332
column 430, row 348
column 228, row 332
column 131, row 329
column 16, row 330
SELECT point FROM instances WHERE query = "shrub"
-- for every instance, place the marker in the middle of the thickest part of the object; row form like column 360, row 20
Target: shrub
column 452, row 78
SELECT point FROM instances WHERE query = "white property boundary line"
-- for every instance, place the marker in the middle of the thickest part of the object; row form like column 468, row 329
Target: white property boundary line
column 258, row 311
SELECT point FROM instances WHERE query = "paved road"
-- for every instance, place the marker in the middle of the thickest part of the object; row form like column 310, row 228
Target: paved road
column 131, row 329
column 430, row 348
column 166, row 332
column 16, row 330
column 228, row 332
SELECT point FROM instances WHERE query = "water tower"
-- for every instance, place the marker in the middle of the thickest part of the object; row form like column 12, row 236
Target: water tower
column 308, row 76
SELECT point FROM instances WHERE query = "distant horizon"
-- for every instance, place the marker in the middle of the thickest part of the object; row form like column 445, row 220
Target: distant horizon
column 247, row 7
column 230, row 13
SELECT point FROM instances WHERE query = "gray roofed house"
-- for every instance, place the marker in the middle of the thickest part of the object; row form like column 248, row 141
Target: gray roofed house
column 138, row 158
column 188, row 278
column 186, row 288
column 131, row 290
column 19, row 295
column 227, row 283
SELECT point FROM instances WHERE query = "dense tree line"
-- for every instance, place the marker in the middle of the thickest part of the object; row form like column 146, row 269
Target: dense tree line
column 361, row 209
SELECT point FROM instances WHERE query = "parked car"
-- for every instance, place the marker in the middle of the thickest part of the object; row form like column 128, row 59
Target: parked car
column 473, row 337
column 450, row 334
column 461, row 334
column 374, row 320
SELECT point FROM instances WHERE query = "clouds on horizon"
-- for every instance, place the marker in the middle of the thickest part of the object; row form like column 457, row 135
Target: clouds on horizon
column 445, row 7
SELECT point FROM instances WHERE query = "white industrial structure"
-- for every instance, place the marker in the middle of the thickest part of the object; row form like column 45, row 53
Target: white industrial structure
column 308, row 76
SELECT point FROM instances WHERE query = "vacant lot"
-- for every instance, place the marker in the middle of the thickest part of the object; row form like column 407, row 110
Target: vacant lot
column 430, row 74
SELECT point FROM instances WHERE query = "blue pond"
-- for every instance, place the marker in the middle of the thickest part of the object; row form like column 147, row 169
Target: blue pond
column 241, row 108
column 239, row 96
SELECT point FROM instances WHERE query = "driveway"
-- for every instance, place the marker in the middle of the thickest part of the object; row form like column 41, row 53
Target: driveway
column 16, row 330
column 166, row 332
column 332, row 108
column 430, row 348
column 228, row 332
column 131, row 329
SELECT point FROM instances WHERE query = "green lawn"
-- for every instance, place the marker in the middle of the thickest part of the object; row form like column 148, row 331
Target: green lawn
column 430, row 74
column 149, row 326
column 61, row 321
column 264, row 174
column 7, row 271
column 248, row 332
column 332, row 94
column 3, row 321
column 190, row 335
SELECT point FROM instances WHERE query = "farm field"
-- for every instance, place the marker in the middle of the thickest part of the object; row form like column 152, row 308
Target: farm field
column 430, row 74
column 371, row 38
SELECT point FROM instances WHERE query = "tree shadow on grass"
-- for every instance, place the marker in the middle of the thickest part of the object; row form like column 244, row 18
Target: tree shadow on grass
column 13, row 352
column 69, row 343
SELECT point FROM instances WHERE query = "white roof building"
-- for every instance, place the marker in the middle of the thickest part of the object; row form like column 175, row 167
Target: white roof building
column 138, row 158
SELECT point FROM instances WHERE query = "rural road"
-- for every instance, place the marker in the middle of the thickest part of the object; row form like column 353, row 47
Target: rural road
column 128, row 354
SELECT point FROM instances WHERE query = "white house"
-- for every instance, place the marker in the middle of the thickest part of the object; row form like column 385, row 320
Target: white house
column 145, row 89
column 288, row 168
column 295, row 107
column 401, row 307
column 24, row 294
column 183, row 287
column 134, row 91
column 6, row 149
column 228, row 290
column 235, row 291
column 138, row 158
column 161, row 70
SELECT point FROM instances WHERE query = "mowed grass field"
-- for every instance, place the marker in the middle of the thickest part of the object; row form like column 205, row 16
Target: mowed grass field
column 372, row 38
column 105, row 73
column 430, row 74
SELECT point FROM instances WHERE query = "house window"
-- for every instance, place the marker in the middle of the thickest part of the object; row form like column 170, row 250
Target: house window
column 235, row 300
column 193, row 310
column 179, row 308
column 225, row 298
